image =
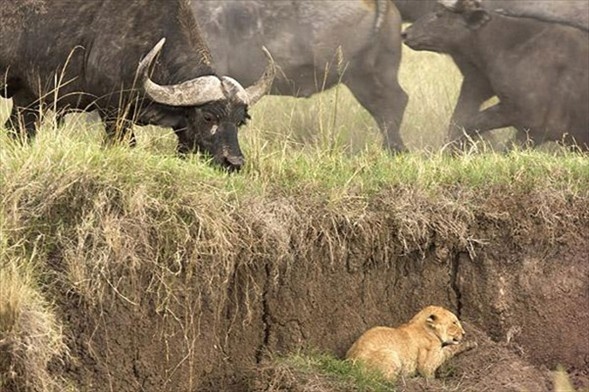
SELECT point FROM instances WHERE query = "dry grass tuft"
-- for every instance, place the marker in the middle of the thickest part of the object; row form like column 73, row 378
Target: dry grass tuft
column 561, row 380
column 30, row 336
column 315, row 372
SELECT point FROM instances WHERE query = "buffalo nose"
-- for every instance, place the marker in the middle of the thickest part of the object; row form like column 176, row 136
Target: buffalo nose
column 233, row 163
column 404, row 34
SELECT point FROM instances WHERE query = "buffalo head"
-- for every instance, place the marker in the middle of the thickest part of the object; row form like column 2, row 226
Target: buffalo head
column 447, row 27
column 208, row 110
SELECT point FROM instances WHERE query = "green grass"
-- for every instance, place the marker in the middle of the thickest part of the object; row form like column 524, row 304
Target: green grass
column 324, row 372
column 292, row 141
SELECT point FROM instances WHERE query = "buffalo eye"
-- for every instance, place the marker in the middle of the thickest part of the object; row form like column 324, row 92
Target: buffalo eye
column 244, row 119
column 208, row 117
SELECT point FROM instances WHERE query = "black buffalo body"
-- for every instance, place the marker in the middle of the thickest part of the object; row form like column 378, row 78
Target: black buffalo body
column 85, row 55
column 316, row 44
column 572, row 12
column 539, row 70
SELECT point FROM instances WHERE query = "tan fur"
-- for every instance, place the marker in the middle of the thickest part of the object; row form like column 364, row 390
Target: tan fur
column 414, row 347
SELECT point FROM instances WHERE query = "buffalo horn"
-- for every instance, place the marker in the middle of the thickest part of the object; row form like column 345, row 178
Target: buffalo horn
column 450, row 4
column 205, row 88
column 263, row 85
column 193, row 92
column 233, row 89
column 461, row 5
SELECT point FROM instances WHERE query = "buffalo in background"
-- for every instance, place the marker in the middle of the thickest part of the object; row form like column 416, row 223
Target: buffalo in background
column 304, row 37
column 475, row 89
column 84, row 55
column 316, row 44
column 572, row 12
column 539, row 70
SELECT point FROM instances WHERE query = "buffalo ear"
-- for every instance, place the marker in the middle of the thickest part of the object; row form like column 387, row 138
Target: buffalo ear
column 477, row 18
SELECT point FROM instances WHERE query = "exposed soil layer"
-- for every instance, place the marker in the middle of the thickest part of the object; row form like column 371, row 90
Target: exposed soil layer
column 519, row 284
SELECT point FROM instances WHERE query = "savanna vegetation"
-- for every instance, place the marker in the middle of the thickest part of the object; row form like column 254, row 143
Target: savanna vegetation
column 87, row 231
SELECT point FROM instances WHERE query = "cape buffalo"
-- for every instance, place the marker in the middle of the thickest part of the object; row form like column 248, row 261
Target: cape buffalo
column 305, row 38
column 572, row 12
column 475, row 90
column 84, row 55
column 539, row 70
column 411, row 10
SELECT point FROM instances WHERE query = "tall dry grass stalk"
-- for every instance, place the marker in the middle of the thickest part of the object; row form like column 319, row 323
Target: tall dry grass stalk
column 562, row 382
column 30, row 334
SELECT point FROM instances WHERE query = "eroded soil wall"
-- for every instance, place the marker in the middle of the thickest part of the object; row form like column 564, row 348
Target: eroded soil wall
column 510, row 275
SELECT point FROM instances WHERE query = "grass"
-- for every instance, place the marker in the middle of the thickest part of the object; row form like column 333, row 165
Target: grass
column 105, row 213
column 30, row 335
column 316, row 371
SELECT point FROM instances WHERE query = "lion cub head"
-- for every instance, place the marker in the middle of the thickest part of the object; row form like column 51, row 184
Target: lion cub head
column 442, row 323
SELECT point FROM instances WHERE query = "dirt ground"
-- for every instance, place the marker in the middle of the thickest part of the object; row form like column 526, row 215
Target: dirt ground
column 519, row 284
column 520, row 336
column 491, row 366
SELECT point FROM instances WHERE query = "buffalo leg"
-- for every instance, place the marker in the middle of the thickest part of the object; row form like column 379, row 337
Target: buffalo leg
column 491, row 118
column 385, row 100
column 118, row 130
column 373, row 79
column 522, row 139
column 24, row 116
column 475, row 90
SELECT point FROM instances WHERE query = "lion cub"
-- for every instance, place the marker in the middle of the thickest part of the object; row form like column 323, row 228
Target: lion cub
column 419, row 346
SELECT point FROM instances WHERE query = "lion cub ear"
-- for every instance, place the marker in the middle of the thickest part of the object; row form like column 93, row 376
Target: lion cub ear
column 431, row 320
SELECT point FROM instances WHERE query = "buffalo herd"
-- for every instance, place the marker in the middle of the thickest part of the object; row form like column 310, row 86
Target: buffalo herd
column 151, row 62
